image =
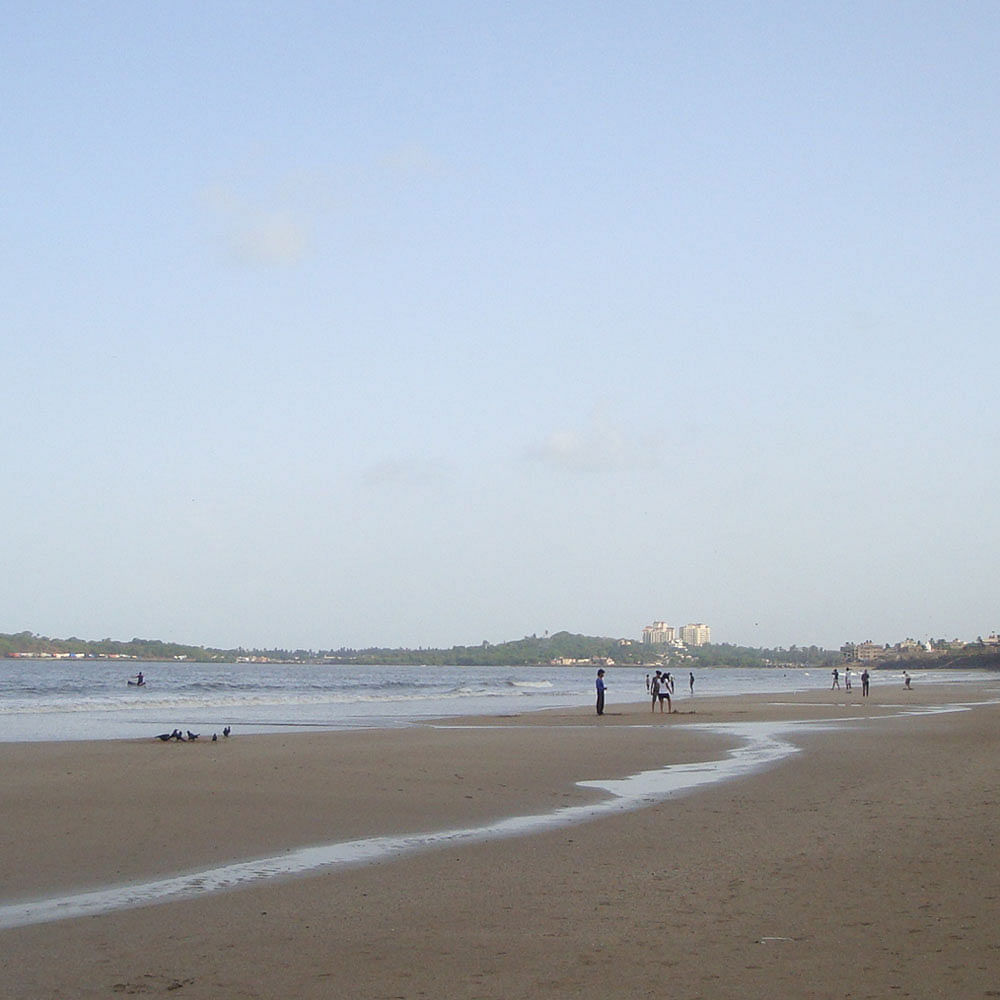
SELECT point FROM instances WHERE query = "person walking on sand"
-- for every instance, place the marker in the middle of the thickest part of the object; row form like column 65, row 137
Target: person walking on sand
column 600, row 692
column 864, row 683
column 906, row 680
column 836, row 679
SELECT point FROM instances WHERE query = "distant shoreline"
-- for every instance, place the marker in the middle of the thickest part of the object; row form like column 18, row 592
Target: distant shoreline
column 558, row 649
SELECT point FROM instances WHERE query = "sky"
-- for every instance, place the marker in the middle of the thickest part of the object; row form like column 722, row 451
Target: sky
column 331, row 324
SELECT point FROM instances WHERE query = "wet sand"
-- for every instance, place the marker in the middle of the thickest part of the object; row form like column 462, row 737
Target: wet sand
column 861, row 866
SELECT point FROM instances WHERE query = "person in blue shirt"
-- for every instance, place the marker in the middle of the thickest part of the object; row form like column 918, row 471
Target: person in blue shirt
column 600, row 692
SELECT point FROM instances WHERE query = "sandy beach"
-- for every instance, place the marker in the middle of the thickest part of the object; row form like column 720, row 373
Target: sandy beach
column 861, row 866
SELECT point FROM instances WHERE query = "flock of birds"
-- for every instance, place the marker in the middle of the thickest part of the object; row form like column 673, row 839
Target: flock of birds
column 177, row 735
column 191, row 737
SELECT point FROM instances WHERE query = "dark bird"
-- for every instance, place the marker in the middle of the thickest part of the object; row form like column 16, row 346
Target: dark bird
column 227, row 730
column 165, row 736
column 193, row 736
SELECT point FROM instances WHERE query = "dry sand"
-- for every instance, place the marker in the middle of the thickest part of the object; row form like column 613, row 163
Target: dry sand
column 862, row 866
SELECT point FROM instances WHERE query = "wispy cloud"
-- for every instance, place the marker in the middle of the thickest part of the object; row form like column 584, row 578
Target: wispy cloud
column 255, row 232
column 600, row 446
column 272, row 217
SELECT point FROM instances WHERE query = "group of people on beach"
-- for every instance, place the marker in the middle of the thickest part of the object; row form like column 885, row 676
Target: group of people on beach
column 660, row 687
column 865, row 678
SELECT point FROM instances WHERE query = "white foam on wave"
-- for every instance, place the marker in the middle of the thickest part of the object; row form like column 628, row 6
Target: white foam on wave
column 183, row 701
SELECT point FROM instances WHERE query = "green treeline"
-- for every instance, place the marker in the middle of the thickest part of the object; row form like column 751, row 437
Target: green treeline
column 568, row 646
column 531, row 650
column 29, row 644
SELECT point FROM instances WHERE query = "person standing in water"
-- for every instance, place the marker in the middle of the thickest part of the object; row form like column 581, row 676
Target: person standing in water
column 691, row 681
column 600, row 692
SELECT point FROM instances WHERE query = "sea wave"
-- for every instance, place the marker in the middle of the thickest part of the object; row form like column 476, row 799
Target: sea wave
column 229, row 699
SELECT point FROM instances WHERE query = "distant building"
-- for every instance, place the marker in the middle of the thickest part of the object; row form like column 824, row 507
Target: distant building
column 697, row 634
column 863, row 652
column 658, row 633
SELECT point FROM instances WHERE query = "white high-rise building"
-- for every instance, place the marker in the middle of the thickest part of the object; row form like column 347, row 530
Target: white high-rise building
column 696, row 634
column 658, row 632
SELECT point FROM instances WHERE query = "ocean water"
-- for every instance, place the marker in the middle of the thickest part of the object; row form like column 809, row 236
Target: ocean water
column 81, row 699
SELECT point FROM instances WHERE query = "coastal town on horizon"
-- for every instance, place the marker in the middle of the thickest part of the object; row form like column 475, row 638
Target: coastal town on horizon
column 659, row 639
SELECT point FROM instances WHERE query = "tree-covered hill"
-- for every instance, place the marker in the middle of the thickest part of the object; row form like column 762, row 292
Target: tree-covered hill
column 566, row 647
column 561, row 647
column 30, row 644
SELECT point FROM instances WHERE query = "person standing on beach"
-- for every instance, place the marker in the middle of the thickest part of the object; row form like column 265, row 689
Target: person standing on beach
column 600, row 692
column 691, row 681
column 664, row 694
column 836, row 679
column 864, row 683
column 906, row 680
column 847, row 678
column 654, row 690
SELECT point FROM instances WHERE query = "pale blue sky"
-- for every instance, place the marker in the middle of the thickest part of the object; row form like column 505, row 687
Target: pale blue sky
column 426, row 323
